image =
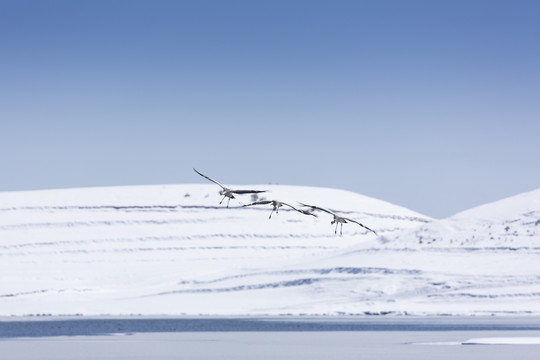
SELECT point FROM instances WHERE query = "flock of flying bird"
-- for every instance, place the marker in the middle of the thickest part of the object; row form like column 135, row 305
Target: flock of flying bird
column 276, row 204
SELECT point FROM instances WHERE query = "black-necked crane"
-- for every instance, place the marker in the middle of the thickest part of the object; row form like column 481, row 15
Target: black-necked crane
column 276, row 204
column 338, row 219
column 229, row 193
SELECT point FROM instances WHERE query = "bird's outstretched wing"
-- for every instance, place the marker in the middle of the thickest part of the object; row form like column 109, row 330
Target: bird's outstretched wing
column 262, row 202
column 362, row 225
column 247, row 191
column 208, row 178
column 305, row 212
column 318, row 208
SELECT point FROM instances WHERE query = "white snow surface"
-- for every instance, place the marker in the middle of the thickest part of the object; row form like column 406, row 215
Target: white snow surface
column 503, row 341
column 513, row 222
column 173, row 250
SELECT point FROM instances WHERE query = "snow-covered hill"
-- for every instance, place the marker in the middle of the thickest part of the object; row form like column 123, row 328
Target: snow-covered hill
column 170, row 249
column 513, row 222
column 483, row 260
column 174, row 250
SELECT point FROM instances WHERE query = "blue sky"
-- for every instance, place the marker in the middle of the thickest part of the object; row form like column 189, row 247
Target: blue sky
column 432, row 105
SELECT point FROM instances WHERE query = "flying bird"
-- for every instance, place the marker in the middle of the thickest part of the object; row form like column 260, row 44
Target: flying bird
column 276, row 204
column 229, row 193
column 338, row 220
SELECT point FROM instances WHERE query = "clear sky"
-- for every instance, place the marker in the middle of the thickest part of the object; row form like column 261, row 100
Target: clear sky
column 432, row 105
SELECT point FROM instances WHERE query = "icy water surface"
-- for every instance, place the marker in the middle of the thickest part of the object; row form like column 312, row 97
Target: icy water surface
column 265, row 338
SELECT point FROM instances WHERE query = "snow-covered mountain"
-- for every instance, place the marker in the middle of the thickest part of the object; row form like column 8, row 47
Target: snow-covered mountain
column 513, row 222
column 169, row 249
column 174, row 250
column 485, row 260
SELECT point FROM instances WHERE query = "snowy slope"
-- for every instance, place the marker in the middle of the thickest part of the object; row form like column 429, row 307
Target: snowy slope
column 483, row 260
column 174, row 249
column 512, row 222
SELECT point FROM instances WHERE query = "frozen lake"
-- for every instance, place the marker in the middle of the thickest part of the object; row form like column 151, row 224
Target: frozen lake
column 266, row 338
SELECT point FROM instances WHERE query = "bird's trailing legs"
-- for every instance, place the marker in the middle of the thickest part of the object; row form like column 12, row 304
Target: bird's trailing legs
column 340, row 229
column 228, row 199
column 276, row 209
